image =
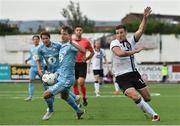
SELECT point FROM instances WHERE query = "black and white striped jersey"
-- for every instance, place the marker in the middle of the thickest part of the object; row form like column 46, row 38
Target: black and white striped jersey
column 97, row 60
column 122, row 65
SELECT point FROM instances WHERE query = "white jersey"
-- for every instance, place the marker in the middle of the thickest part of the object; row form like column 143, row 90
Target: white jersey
column 122, row 65
column 97, row 59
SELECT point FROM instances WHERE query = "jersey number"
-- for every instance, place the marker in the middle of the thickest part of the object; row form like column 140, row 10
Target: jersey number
column 61, row 57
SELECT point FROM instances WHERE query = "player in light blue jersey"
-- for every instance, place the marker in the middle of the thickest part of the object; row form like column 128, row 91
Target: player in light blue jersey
column 67, row 57
column 50, row 53
column 33, row 69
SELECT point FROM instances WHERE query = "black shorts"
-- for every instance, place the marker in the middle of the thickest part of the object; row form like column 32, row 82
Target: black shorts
column 80, row 70
column 98, row 72
column 131, row 79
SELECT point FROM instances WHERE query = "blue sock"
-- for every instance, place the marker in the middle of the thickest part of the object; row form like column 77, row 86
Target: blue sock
column 50, row 102
column 72, row 95
column 72, row 103
column 31, row 89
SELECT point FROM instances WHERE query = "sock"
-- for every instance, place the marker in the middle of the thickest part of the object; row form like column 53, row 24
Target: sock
column 96, row 86
column 116, row 86
column 75, row 89
column 50, row 102
column 73, row 104
column 145, row 107
column 31, row 89
column 83, row 90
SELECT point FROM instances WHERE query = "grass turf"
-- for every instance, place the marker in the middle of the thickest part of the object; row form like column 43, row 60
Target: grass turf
column 108, row 109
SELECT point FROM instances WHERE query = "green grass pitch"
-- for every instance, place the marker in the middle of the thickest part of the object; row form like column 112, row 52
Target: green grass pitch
column 108, row 109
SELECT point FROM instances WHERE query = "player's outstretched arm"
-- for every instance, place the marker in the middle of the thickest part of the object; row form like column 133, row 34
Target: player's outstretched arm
column 106, row 62
column 117, row 51
column 91, row 54
column 77, row 46
column 142, row 26
column 89, row 66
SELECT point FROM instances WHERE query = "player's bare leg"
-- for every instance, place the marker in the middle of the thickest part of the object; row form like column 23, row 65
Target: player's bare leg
column 144, row 106
column 117, row 90
column 145, row 94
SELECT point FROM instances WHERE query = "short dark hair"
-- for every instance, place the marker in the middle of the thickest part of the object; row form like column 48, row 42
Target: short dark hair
column 78, row 26
column 45, row 33
column 68, row 29
column 121, row 27
column 35, row 36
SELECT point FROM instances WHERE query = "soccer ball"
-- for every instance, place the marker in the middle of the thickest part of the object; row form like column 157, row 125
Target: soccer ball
column 49, row 78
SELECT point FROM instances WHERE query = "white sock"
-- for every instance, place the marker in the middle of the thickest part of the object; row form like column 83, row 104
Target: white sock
column 144, row 106
column 116, row 86
column 96, row 86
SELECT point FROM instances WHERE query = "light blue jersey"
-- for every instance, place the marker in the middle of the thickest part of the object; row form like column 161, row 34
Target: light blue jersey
column 32, row 56
column 67, row 58
column 33, row 72
column 50, row 55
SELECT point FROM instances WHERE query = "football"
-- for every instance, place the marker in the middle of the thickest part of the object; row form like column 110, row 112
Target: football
column 49, row 78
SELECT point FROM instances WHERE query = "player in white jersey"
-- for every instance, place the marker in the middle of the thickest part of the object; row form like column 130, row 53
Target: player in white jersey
column 127, row 76
column 97, row 66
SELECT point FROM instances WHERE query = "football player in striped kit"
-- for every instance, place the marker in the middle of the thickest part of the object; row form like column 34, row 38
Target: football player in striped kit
column 127, row 76
column 97, row 66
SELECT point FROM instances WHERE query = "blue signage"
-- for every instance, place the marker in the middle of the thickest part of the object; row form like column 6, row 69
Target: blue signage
column 5, row 72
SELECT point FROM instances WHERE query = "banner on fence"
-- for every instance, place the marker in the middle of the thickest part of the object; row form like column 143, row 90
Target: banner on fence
column 4, row 72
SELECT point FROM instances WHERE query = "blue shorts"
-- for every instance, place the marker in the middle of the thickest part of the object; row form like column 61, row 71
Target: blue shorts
column 33, row 73
column 63, row 85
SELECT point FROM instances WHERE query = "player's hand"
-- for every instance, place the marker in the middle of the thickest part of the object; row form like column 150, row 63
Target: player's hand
column 139, row 49
column 40, row 72
column 84, row 60
column 147, row 12
column 25, row 61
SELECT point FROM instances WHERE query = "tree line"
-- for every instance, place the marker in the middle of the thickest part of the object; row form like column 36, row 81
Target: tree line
column 74, row 17
column 155, row 26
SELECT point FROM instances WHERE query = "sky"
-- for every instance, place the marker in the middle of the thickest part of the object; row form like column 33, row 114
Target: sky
column 102, row 10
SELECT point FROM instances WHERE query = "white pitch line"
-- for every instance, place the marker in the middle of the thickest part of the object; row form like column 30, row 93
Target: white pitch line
column 89, row 96
column 155, row 94
column 1, row 92
column 25, row 92
column 17, row 92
